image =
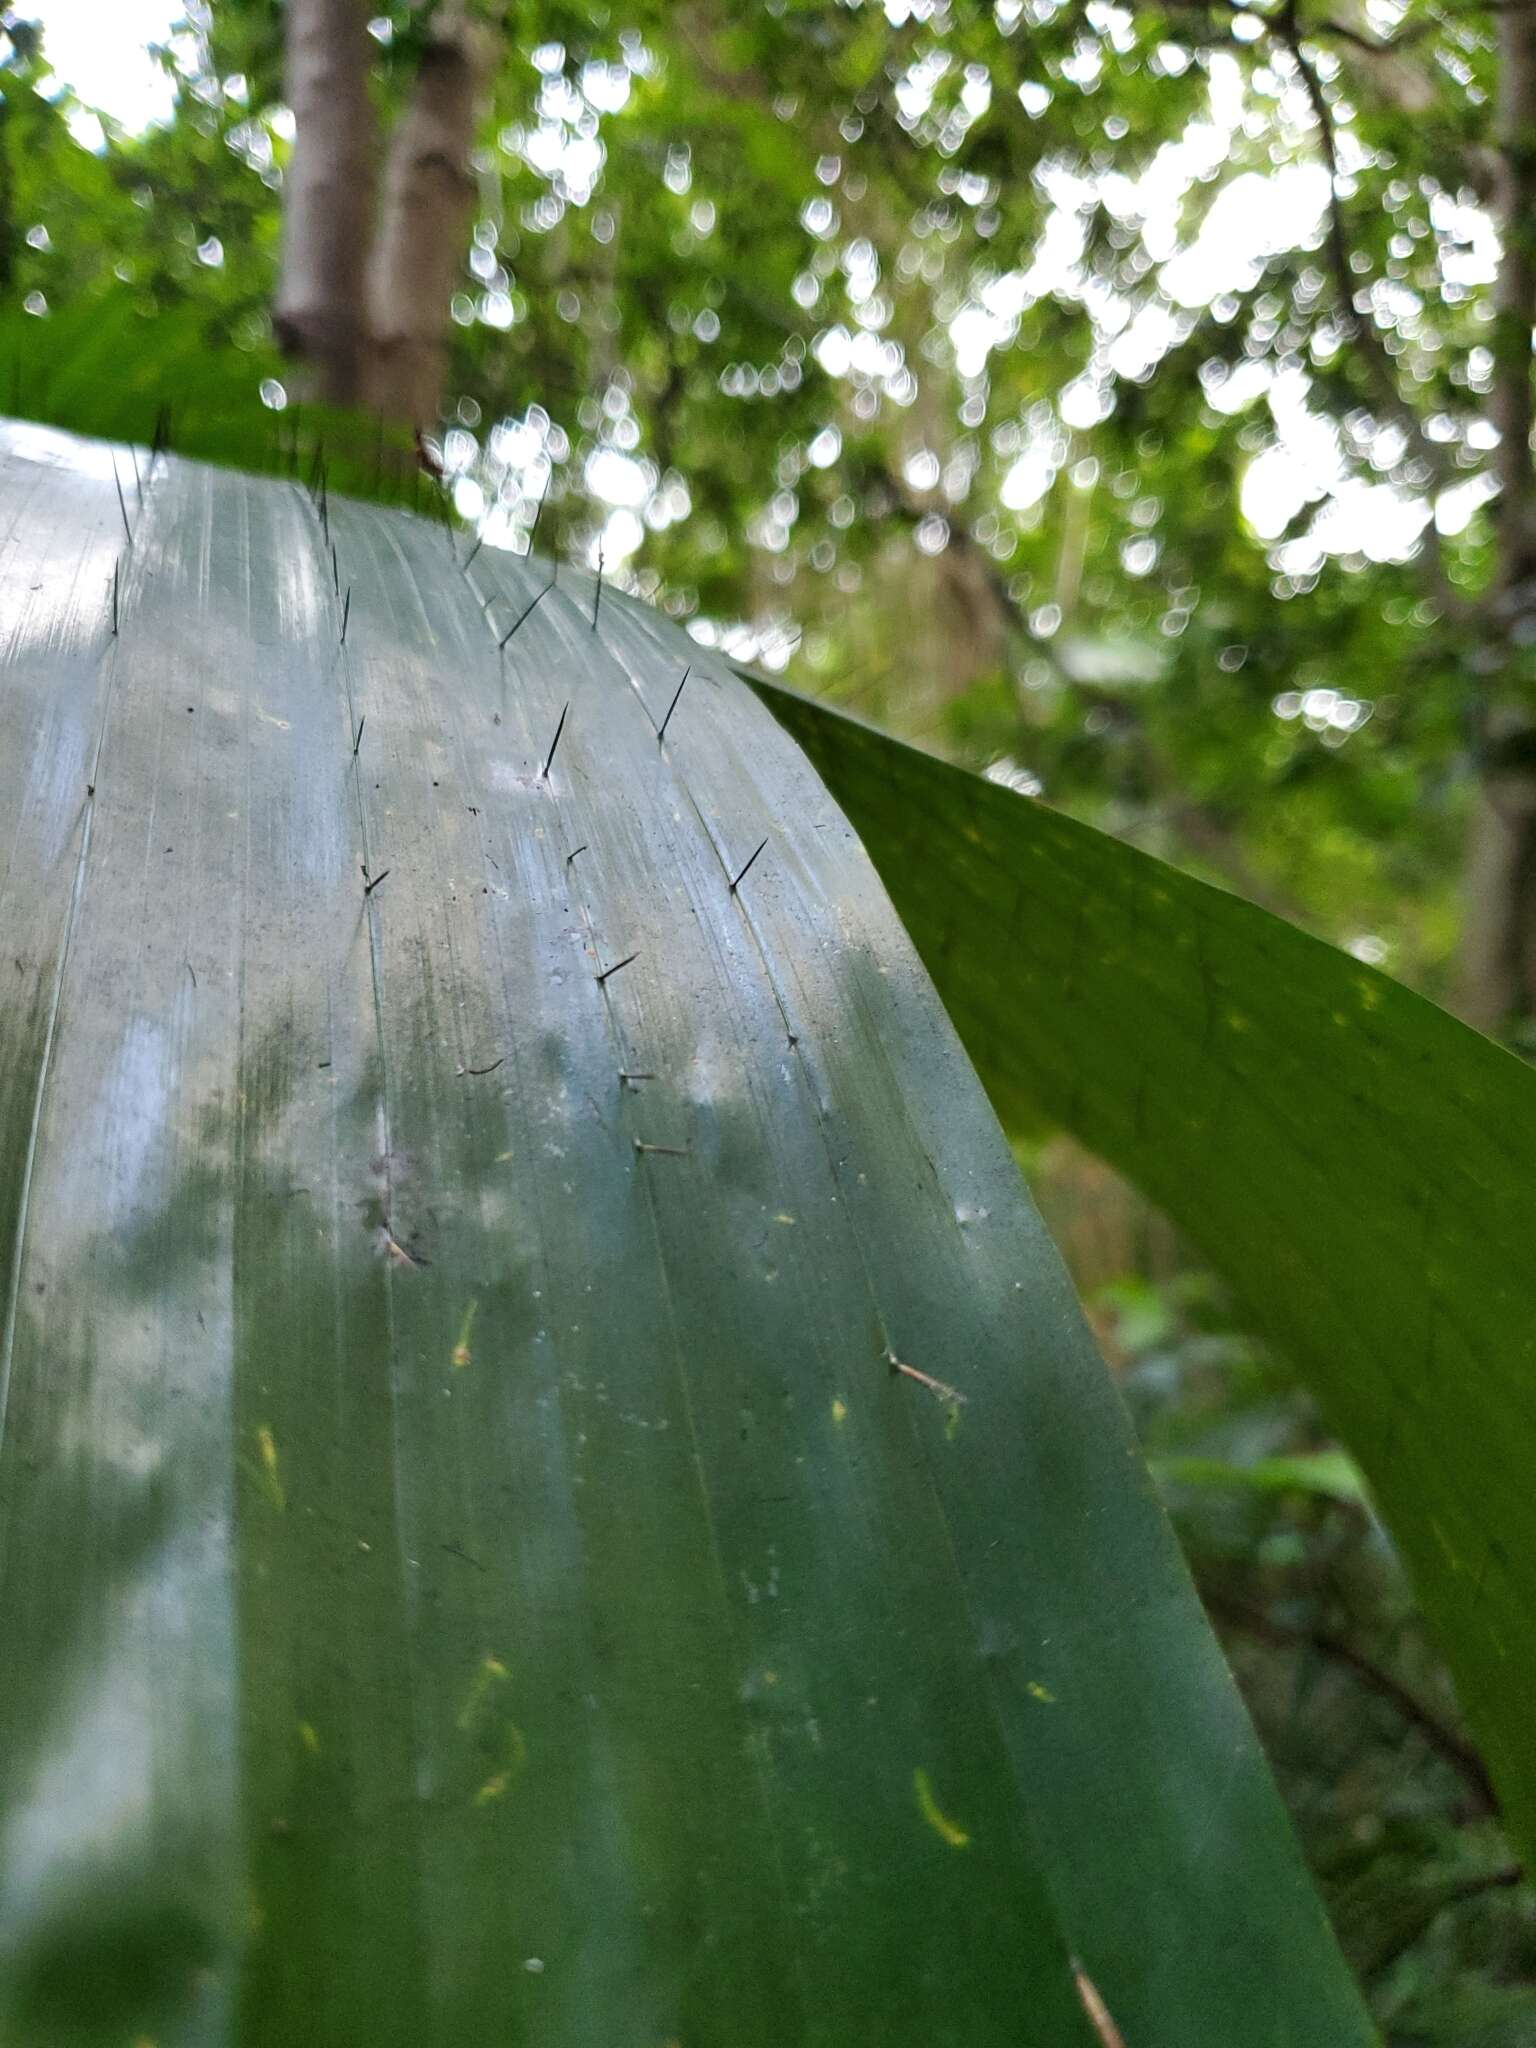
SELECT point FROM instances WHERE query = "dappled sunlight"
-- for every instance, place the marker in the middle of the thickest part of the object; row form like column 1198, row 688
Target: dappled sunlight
column 1199, row 223
column 495, row 1414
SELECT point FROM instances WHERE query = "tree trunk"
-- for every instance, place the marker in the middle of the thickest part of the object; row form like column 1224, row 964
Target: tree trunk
column 428, row 194
column 1498, row 963
column 328, row 199
column 1515, row 306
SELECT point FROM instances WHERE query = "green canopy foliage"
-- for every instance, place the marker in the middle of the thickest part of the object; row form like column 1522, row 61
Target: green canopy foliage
column 1020, row 377
column 954, row 348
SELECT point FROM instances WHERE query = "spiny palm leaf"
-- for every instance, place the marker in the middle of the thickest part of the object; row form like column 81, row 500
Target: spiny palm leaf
column 553, row 1489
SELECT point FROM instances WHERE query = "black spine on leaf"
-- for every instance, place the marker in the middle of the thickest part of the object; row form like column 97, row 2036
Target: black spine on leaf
column 554, row 743
column 538, row 510
column 661, row 731
column 527, row 608
column 742, row 876
column 121, row 505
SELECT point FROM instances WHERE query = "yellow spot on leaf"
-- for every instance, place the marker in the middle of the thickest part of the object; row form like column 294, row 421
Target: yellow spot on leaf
column 1037, row 1691
column 839, row 1411
column 271, row 1478
column 492, row 1672
column 940, row 1822
column 783, row 1217
column 517, row 1752
column 461, row 1349
column 309, row 1737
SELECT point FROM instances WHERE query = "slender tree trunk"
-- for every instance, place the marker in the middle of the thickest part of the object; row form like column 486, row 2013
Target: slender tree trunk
column 1498, row 964
column 428, row 196
column 1515, row 302
column 1499, row 932
column 328, row 197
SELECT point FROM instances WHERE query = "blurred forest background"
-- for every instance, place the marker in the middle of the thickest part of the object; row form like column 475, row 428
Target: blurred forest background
column 1130, row 402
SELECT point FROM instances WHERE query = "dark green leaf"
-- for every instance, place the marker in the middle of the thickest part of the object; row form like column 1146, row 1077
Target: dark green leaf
column 1356, row 1162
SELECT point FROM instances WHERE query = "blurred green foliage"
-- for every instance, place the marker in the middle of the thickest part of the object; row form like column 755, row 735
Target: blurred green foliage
column 878, row 315
column 1392, row 1803
column 940, row 349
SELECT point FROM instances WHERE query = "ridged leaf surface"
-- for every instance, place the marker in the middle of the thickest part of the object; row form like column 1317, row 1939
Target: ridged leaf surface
column 473, row 1568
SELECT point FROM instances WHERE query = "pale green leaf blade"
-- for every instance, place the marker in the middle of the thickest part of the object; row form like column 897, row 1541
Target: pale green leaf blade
column 472, row 1568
